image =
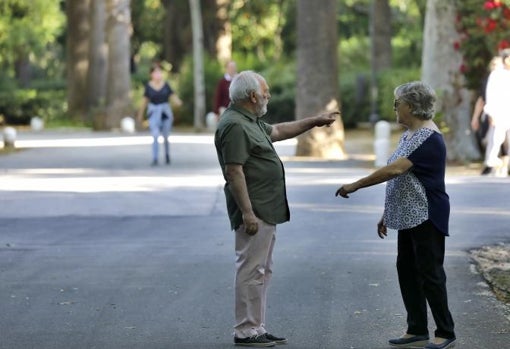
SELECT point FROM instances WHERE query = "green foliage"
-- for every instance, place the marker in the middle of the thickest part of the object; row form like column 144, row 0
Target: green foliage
column 387, row 81
column 281, row 78
column 355, row 98
column 27, row 28
column 256, row 27
column 213, row 71
column 147, row 17
column 353, row 18
column 18, row 106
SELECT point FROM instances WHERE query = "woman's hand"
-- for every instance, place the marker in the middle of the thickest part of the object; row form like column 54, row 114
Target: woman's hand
column 345, row 190
column 382, row 231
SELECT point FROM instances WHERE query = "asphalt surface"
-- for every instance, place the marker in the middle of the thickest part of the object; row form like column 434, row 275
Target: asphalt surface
column 100, row 250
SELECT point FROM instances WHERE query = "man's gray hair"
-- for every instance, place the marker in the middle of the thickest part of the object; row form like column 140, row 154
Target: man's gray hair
column 420, row 97
column 243, row 84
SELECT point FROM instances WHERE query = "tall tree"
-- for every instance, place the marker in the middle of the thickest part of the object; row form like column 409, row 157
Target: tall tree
column 98, row 55
column 78, row 30
column 198, row 64
column 118, row 100
column 317, row 78
column 380, row 48
column 224, row 39
column 380, row 33
column 28, row 29
column 441, row 69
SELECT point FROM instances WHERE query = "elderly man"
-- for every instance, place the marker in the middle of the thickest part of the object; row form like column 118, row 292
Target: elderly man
column 256, row 196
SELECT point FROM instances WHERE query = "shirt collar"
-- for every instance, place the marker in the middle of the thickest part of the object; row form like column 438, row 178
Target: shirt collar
column 244, row 111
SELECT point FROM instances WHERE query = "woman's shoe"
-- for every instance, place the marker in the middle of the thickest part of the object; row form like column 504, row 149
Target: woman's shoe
column 443, row 343
column 409, row 341
column 167, row 159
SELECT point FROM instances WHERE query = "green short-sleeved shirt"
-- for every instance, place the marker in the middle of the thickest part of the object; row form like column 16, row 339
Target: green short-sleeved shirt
column 242, row 138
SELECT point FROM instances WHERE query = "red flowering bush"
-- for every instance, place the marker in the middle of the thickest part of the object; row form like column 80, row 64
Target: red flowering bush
column 484, row 28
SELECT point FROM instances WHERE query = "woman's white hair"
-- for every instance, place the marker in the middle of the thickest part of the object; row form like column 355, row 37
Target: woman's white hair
column 243, row 84
column 420, row 97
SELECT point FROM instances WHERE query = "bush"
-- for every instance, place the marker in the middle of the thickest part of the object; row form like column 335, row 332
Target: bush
column 387, row 81
column 18, row 106
column 355, row 98
column 281, row 78
column 213, row 71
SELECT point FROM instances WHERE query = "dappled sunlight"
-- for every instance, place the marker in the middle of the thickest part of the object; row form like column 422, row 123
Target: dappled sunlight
column 50, row 171
column 485, row 211
column 98, row 184
column 338, row 208
column 110, row 141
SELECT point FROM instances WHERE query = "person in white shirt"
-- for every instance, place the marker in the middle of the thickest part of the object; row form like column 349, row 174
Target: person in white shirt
column 497, row 107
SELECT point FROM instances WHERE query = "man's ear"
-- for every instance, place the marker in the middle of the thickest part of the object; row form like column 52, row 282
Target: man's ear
column 253, row 97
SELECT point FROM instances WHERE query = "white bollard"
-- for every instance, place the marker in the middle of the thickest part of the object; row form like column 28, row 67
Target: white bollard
column 9, row 135
column 36, row 123
column 211, row 121
column 127, row 124
column 382, row 142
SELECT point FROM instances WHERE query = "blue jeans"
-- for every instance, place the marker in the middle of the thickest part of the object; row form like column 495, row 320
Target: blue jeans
column 157, row 126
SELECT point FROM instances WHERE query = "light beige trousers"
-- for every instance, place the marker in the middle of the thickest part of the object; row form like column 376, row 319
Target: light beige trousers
column 253, row 273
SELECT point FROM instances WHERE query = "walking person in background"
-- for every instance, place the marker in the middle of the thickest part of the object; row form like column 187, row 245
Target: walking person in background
column 479, row 120
column 156, row 101
column 496, row 107
column 256, row 197
column 221, row 95
column 418, row 206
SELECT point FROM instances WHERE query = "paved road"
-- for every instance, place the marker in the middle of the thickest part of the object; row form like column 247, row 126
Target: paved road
column 99, row 250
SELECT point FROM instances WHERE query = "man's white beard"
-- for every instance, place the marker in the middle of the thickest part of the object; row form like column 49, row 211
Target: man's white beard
column 261, row 109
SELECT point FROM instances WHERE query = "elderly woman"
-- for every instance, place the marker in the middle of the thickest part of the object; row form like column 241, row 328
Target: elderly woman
column 417, row 205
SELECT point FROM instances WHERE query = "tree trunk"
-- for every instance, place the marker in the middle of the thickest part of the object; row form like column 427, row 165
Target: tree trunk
column 118, row 100
column 380, row 33
column 98, row 55
column 317, row 77
column 198, row 64
column 224, row 37
column 441, row 69
column 380, row 50
column 78, row 29
column 176, row 39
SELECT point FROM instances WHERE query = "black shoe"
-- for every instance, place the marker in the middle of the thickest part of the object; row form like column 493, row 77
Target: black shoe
column 486, row 170
column 410, row 342
column 154, row 163
column 277, row 340
column 167, row 159
column 255, row 341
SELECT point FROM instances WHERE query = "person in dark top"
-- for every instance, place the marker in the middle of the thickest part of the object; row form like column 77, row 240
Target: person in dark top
column 418, row 206
column 221, row 96
column 155, row 101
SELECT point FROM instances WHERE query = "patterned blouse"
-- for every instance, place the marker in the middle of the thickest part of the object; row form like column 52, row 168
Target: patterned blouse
column 419, row 194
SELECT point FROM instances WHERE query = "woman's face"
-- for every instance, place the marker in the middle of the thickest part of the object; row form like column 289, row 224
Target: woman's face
column 402, row 111
column 157, row 75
